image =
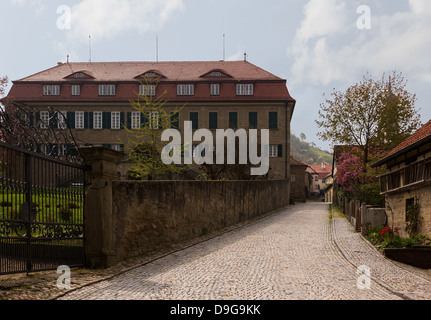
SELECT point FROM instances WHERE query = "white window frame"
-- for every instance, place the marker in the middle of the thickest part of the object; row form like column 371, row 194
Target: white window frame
column 273, row 151
column 106, row 89
column 136, row 120
column 98, row 120
column 62, row 149
column 76, row 90
column 116, row 147
column 244, row 89
column 155, row 121
column 51, row 90
column 148, row 90
column 186, row 89
column 62, row 120
column 79, row 120
column 215, row 89
column 116, row 120
column 44, row 120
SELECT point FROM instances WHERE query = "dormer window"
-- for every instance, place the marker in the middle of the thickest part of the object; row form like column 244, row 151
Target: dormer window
column 107, row 90
column 216, row 74
column 79, row 75
column 51, row 90
column 150, row 75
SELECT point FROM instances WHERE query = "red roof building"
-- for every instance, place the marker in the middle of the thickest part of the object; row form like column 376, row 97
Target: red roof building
column 95, row 98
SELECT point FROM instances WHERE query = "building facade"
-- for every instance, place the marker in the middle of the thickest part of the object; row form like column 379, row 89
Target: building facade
column 94, row 98
column 407, row 182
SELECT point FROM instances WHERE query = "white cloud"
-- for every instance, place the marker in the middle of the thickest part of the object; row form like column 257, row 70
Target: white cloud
column 38, row 5
column 104, row 19
column 331, row 48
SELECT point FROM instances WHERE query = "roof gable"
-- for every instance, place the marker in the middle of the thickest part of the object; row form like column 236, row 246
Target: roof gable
column 216, row 74
column 80, row 75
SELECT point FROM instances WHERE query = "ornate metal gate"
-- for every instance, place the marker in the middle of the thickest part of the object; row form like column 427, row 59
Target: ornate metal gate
column 42, row 192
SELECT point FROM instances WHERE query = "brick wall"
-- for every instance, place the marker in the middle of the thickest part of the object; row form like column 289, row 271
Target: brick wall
column 150, row 215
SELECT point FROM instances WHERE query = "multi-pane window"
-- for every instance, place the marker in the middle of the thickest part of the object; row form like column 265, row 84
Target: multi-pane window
column 215, row 89
column 273, row 120
column 273, row 151
column 79, row 120
column 51, row 90
column 185, row 89
column 148, row 90
column 44, row 120
column 79, row 75
column 155, row 121
column 98, row 120
column 107, row 90
column 244, row 89
column 115, row 120
column 76, row 90
column 136, row 120
column 62, row 120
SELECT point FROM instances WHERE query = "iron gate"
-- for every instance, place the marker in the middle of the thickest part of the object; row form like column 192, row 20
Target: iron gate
column 42, row 193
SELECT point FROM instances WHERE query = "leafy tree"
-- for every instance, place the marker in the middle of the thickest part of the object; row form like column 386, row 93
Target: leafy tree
column 144, row 142
column 371, row 114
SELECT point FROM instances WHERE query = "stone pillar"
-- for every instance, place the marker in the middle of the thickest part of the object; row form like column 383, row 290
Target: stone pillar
column 100, row 244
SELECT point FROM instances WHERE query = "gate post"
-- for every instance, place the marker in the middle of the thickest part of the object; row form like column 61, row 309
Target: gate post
column 100, row 244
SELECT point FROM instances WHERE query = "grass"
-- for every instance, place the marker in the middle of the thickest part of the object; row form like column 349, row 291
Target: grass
column 334, row 212
column 53, row 206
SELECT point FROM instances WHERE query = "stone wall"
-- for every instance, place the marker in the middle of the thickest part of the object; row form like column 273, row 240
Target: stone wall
column 396, row 211
column 149, row 215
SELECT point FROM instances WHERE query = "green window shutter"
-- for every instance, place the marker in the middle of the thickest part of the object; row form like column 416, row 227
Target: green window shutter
column 194, row 118
column 71, row 120
column 106, row 120
column 144, row 119
column 273, row 120
column 129, row 120
column 175, row 120
column 30, row 120
column 280, row 151
column 122, row 123
column 88, row 119
column 233, row 120
column 253, row 120
column 37, row 120
column 213, row 120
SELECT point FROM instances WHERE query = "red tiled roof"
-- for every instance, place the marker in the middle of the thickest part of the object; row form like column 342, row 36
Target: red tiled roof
column 323, row 173
column 419, row 135
column 173, row 71
column 295, row 162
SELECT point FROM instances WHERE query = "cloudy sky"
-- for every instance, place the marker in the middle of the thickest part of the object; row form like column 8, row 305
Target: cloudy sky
column 317, row 45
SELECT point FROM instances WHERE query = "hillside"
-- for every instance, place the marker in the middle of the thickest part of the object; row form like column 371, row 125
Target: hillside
column 307, row 152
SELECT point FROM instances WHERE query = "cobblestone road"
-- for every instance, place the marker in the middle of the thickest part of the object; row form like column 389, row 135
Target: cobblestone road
column 296, row 254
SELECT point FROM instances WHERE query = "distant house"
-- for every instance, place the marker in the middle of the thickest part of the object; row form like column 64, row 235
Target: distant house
column 324, row 176
column 298, row 180
column 407, row 180
column 313, row 187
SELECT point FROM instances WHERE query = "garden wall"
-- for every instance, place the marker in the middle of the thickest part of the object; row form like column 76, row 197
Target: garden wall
column 150, row 215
